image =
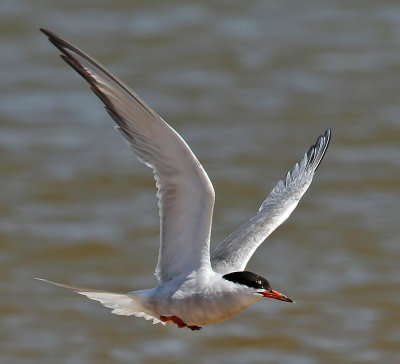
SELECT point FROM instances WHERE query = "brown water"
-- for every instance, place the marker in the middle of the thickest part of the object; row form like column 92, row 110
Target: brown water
column 249, row 85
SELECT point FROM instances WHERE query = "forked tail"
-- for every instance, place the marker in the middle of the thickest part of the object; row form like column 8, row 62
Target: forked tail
column 120, row 303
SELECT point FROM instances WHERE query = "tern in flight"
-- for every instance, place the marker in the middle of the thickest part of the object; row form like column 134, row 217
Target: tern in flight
column 195, row 288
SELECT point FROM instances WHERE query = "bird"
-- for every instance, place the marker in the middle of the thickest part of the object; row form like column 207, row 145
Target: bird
column 195, row 288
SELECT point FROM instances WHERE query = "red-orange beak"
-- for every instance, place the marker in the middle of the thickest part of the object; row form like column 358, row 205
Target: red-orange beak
column 277, row 296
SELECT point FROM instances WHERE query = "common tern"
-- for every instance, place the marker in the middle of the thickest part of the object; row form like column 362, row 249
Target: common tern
column 194, row 288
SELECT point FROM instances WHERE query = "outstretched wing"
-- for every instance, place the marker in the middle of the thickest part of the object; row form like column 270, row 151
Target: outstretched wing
column 236, row 250
column 185, row 193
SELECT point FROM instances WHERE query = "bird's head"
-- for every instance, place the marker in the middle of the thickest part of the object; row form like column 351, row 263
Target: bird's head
column 259, row 284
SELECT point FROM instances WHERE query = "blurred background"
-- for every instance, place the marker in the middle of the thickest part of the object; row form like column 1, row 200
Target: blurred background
column 249, row 86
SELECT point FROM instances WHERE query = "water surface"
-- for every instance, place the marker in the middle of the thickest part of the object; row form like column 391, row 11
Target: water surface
column 249, row 85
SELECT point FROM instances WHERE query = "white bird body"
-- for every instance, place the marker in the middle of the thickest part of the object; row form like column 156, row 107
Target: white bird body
column 195, row 288
column 202, row 298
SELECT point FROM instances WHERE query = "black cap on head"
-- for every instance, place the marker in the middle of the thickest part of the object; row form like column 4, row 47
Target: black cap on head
column 248, row 279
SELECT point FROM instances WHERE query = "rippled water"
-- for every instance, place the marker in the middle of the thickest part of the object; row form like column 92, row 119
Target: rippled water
column 249, row 85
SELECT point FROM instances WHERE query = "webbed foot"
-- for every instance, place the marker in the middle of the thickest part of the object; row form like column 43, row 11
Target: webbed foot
column 194, row 328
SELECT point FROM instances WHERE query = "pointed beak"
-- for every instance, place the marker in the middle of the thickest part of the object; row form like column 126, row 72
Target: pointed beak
column 277, row 296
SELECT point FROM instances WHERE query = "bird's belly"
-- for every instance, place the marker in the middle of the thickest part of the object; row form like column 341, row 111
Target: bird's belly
column 202, row 310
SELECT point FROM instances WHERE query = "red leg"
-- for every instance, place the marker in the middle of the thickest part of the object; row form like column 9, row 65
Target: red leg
column 174, row 319
column 177, row 321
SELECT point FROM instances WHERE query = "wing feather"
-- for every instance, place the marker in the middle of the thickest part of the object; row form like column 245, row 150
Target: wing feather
column 185, row 193
column 236, row 250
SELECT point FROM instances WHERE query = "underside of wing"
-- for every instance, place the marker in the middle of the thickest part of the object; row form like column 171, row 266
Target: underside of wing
column 186, row 195
column 236, row 250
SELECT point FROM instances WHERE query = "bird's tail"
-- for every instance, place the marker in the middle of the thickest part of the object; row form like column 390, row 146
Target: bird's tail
column 120, row 303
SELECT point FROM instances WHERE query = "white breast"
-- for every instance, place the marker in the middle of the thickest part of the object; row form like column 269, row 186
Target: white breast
column 200, row 299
